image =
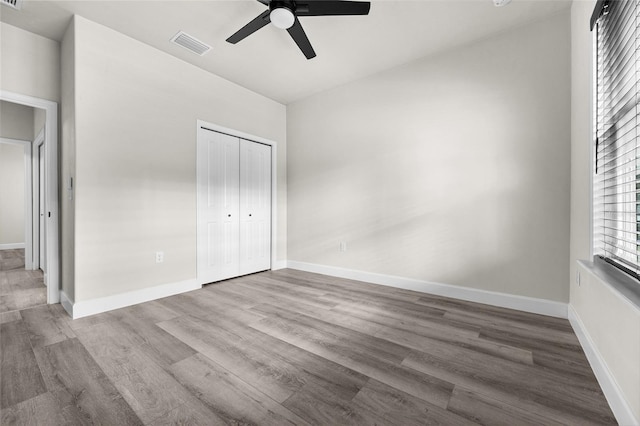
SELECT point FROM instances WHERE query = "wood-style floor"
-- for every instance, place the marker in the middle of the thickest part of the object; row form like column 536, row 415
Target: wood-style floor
column 19, row 289
column 289, row 347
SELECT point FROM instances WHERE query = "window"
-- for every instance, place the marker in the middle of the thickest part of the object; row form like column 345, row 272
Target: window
column 616, row 188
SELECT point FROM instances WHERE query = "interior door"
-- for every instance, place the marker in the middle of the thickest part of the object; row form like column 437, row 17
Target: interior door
column 218, row 157
column 255, row 207
column 41, row 231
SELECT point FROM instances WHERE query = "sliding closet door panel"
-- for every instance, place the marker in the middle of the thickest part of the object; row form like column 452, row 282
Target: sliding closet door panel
column 218, row 209
column 255, row 207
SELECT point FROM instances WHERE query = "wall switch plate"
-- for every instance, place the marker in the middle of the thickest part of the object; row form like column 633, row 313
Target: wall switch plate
column 343, row 246
column 159, row 256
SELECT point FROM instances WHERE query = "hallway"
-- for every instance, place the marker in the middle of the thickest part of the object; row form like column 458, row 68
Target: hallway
column 19, row 289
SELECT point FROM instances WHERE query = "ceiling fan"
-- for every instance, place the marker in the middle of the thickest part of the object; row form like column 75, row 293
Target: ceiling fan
column 284, row 15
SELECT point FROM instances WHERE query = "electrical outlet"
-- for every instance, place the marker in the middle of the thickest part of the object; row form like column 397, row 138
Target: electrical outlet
column 343, row 246
column 159, row 256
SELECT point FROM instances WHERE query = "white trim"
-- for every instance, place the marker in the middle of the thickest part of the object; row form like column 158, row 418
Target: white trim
column 28, row 201
column 35, row 199
column 11, row 246
column 592, row 141
column 503, row 300
column 52, row 227
column 612, row 392
column 117, row 301
column 67, row 303
column 274, row 183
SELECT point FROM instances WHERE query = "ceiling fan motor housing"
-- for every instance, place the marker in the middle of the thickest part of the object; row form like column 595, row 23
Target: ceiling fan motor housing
column 282, row 14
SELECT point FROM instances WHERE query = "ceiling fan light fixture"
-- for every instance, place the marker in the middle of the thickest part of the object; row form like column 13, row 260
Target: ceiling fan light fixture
column 282, row 18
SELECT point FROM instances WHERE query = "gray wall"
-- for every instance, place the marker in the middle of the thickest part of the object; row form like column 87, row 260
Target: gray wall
column 453, row 169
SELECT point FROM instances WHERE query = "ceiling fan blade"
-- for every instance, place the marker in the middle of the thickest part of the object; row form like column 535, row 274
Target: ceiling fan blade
column 250, row 28
column 298, row 35
column 328, row 8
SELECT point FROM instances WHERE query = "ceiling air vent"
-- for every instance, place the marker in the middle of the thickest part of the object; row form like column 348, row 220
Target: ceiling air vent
column 188, row 42
column 14, row 4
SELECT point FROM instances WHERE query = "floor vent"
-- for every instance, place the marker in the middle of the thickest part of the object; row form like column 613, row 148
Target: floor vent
column 14, row 4
column 191, row 43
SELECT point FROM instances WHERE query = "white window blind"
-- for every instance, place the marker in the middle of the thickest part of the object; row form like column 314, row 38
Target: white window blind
column 617, row 160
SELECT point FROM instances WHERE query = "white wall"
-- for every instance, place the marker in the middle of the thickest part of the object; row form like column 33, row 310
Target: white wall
column 16, row 121
column 11, row 194
column 453, row 169
column 611, row 322
column 67, row 161
column 135, row 150
column 30, row 63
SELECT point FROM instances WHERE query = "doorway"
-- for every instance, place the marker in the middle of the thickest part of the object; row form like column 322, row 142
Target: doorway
column 43, row 227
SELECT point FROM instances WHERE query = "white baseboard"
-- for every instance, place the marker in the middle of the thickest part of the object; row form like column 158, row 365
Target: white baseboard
column 503, row 300
column 67, row 303
column 11, row 246
column 117, row 301
column 610, row 388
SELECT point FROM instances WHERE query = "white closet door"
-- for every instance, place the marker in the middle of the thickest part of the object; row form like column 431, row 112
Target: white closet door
column 255, row 207
column 218, row 206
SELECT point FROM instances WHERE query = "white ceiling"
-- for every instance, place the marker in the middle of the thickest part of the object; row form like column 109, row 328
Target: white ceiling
column 268, row 62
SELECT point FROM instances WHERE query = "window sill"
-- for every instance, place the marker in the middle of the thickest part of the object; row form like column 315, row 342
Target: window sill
column 628, row 288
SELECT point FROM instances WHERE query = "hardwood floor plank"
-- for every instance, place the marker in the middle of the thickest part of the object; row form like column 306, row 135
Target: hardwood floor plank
column 153, row 393
column 398, row 407
column 270, row 373
column 410, row 334
column 319, row 407
column 40, row 410
column 494, row 312
column 341, row 285
column 47, row 324
column 230, row 399
column 148, row 312
column 151, row 340
column 340, row 335
column 22, row 299
column 20, row 377
column 14, row 338
column 521, row 386
column 484, row 410
column 340, row 381
column 188, row 414
column 349, row 354
column 10, row 316
column 117, row 355
column 81, row 387
column 253, row 285
column 532, row 329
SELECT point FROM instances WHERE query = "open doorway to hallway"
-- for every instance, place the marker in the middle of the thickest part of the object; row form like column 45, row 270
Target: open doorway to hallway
column 22, row 225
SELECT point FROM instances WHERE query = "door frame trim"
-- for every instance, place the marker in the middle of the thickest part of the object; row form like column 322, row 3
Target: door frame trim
column 52, row 221
column 274, row 184
column 35, row 183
